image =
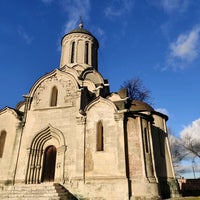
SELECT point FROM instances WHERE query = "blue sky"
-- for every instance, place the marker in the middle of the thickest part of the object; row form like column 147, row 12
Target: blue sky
column 156, row 40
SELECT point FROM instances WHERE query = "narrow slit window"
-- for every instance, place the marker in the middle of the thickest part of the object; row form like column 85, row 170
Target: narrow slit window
column 146, row 140
column 94, row 56
column 72, row 52
column 54, row 96
column 86, row 53
column 100, row 137
column 2, row 142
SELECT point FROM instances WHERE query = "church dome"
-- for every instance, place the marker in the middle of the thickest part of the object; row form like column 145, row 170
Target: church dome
column 80, row 29
column 140, row 106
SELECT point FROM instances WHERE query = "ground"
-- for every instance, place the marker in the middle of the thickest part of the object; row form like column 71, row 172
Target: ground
column 187, row 198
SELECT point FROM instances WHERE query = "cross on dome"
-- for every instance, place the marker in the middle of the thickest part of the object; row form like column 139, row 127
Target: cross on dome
column 81, row 23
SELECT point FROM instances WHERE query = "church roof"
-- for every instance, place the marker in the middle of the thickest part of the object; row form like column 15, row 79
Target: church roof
column 80, row 29
column 140, row 106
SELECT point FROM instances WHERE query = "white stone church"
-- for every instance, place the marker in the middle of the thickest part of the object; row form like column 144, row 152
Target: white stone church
column 72, row 139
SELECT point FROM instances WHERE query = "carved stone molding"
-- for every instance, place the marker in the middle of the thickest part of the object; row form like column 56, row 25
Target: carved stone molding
column 69, row 88
column 119, row 116
column 81, row 120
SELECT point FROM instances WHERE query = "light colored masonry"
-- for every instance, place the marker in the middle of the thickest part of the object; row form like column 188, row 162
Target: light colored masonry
column 70, row 130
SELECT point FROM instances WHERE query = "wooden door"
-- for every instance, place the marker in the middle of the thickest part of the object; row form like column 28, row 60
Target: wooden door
column 49, row 164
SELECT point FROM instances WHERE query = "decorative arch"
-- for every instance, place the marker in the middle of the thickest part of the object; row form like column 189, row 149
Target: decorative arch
column 66, row 84
column 55, row 74
column 11, row 111
column 49, row 136
column 99, row 100
column 91, row 74
column 78, row 68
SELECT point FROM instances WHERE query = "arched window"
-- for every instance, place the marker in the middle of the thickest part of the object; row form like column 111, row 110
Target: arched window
column 2, row 142
column 100, row 137
column 72, row 52
column 54, row 96
column 86, row 53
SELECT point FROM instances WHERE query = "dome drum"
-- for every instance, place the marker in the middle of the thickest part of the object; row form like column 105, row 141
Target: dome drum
column 79, row 47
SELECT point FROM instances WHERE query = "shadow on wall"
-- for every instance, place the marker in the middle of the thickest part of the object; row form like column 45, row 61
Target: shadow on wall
column 159, row 139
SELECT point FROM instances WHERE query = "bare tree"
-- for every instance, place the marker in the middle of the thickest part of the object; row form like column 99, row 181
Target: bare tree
column 191, row 144
column 136, row 90
column 176, row 152
column 185, row 148
column 190, row 140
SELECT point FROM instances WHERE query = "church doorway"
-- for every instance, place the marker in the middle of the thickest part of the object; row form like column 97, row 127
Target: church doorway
column 49, row 163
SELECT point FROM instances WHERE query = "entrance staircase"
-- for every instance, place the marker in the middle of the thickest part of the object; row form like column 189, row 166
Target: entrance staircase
column 44, row 191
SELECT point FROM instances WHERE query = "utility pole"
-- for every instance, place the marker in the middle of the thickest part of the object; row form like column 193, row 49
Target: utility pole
column 193, row 168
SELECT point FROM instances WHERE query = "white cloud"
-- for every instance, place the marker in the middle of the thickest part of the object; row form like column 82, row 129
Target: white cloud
column 100, row 31
column 163, row 111
column 186, row 46
column 184, row 50
column 24, row 35
column 75, row 9
column 190, row 137
column 117, row 8
column 192, row 130
column 101, row 35
column 174, row 5
column 170, row 6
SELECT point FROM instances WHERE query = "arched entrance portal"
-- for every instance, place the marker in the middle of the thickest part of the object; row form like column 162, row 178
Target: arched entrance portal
column 49, row 162
column 46, row 149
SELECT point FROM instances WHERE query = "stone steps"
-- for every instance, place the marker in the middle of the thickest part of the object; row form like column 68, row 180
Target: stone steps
column 45, row 191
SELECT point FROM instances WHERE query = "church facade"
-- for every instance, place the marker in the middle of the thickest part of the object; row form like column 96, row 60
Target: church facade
column 72, row 131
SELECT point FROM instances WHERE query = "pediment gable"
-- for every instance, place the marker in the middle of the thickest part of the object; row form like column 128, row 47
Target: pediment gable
column 66, row 85
column 115, row 97
column 100, row 100
column 92, row 75
column 11, row 111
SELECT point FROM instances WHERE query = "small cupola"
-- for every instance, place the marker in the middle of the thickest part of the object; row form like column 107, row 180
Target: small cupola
column 79, row 47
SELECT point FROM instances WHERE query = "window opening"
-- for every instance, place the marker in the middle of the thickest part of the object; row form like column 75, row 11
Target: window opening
column 100, row 137
column 94, row 55
column 2, row 142
column 72, row 52
column 86, row 53
column 54, row 96
column 146, row 140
